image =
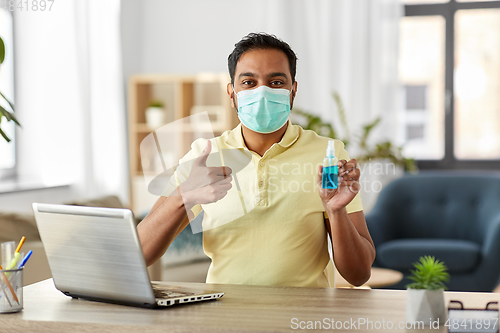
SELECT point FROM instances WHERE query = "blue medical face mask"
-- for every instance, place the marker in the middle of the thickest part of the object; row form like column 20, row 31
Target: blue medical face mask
column 263, row 109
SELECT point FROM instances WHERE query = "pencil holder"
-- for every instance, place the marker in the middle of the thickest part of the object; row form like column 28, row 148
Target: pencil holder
column 11, row 290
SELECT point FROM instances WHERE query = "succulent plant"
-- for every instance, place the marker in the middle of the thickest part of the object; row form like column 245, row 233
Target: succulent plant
column 429, row 273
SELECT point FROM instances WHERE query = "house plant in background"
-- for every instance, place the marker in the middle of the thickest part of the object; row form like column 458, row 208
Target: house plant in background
column 155, row 114
column 425, row 298
column 379, row 162
column 4, row 113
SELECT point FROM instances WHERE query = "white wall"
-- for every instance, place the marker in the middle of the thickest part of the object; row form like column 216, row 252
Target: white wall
column 186, row 36
column 131, row 25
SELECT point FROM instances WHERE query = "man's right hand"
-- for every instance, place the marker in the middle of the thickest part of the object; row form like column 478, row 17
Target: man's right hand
column 205, row 184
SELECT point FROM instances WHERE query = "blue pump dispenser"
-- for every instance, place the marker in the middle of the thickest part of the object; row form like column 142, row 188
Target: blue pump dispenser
column 329, row 179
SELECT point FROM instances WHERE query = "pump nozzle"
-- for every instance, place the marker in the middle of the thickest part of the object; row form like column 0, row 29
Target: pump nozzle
column 330, row 150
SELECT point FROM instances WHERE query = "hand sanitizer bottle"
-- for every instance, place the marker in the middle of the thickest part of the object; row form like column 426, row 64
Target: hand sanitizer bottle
column 330, row 174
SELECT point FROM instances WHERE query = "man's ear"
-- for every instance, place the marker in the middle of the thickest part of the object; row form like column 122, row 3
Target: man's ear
column 294, row 89
column 293, row 94
column 230, row 92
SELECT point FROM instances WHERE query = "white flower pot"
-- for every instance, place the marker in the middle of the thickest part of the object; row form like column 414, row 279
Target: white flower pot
column 425, row 306
column 155, row 117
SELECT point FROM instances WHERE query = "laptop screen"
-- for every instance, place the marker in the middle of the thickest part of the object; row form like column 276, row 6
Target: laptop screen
column 94, row 252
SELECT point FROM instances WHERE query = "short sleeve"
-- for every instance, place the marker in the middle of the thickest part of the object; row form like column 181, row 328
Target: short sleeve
column 355, row 205
column 183, row 170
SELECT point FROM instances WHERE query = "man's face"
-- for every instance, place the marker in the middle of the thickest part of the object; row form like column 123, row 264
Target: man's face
column 262, row 67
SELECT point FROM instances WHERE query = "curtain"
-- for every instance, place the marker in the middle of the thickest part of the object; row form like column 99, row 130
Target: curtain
column 348, row 46
column 101, row 78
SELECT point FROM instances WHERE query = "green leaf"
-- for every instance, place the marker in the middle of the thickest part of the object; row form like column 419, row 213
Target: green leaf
column 4, row 113
column 2, row 50
column 4, row 135
column 10, row 116
column 343, row 119
column 315, row 123
column 11, row 105
column 367, row 130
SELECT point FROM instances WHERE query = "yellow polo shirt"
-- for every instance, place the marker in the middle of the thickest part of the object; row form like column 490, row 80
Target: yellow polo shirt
column 269, row 229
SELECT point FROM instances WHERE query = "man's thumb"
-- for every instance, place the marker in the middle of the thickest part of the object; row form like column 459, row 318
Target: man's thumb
column 202, row 159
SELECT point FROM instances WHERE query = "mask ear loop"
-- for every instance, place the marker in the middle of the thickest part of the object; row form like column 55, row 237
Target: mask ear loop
column 235, row 98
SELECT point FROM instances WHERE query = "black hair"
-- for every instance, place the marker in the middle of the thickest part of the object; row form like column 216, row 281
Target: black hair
column 261, row 40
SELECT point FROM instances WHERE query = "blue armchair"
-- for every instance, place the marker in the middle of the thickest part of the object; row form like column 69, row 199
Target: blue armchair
column 454, row 217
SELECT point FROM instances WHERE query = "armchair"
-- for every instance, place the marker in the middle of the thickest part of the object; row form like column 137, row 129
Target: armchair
column 454, row 217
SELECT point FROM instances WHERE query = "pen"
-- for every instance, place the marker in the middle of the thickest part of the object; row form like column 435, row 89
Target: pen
column 5, row 292
column 10, row 287
column 25, row 259
column 16, row 254
column 21, row 242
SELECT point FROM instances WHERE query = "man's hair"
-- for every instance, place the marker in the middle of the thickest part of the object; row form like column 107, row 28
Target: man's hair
column 261, row 40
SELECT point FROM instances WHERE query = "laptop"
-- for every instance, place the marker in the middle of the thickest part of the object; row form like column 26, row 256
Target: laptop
column 95, row 254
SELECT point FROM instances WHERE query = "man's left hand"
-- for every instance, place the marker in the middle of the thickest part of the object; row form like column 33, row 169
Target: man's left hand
column 348, row 186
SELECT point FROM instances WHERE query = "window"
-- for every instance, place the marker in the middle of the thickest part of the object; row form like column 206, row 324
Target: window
column 449, row 71
column 416, row 115
column 7, row 150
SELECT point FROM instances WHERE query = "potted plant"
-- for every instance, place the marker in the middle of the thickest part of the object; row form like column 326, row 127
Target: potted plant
column 425, row 298
column 367, row 151
column 155, row 114
column 4, row 113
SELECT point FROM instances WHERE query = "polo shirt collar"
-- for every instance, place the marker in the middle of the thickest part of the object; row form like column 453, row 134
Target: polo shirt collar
column 291, row 135
column 235, row 137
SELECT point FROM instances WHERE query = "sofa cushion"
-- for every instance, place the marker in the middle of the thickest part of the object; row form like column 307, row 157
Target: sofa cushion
column 13, row 226
column 458, row 255
column 110, row 201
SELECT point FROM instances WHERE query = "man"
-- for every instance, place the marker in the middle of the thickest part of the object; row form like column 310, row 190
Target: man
column 282, row 238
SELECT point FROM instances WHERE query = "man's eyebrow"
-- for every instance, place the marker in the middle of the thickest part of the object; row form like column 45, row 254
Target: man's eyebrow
column 275, row 74
column 247, row 74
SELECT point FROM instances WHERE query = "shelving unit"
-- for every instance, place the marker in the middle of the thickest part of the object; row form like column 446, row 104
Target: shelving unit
column 182, row 96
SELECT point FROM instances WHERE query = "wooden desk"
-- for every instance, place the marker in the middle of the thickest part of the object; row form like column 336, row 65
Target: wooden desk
column 243, row 308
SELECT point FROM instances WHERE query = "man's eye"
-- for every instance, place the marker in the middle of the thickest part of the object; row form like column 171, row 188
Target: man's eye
column 246, row 83
column 276, row 83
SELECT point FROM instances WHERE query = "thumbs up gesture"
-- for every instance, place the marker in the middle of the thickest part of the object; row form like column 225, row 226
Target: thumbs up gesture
column 205, row 184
